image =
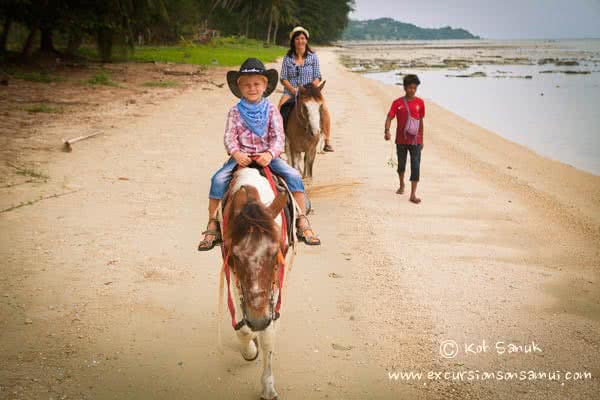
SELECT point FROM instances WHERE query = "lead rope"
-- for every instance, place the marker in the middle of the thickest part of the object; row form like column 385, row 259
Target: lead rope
column 220, row 310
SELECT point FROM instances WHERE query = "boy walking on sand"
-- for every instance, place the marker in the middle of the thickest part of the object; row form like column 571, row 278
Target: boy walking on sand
column 409, row 112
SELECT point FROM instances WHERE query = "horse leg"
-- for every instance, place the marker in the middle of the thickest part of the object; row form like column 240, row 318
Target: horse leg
column 248, row 342
column 309, row 160
column 296, row 160
column 288, row 151
column 267, row 344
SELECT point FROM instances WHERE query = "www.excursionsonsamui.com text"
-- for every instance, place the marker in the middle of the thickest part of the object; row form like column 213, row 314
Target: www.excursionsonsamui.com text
column 476, row 375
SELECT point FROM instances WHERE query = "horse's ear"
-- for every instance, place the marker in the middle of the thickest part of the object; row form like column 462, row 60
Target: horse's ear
column 321, row 85
column 278, row 203
column 239, row 199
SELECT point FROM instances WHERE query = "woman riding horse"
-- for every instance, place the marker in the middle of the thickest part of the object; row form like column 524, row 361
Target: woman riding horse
column 300, row 67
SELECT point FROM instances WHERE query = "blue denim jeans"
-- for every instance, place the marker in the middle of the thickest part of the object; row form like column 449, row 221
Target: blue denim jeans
column 220, row 180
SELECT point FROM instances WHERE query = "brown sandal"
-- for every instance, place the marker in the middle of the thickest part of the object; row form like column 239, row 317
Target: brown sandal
column 209, row 244
column 312, row 239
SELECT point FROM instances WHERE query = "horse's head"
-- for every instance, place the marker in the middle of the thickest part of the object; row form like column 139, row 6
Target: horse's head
column 254, row 241
column 310, row 101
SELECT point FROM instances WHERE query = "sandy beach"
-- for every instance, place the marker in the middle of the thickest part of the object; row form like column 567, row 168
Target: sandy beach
column 103, row 295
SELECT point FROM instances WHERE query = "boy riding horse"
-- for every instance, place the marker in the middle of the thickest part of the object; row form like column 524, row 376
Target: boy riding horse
column 254, row 133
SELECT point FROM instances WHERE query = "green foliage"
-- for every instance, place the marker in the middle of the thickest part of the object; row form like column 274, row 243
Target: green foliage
column 212, row 54
column 123, row 24
column 389, row 29
column 32, row 173
column 43, row 108
column 101, row 78
column 42, row 77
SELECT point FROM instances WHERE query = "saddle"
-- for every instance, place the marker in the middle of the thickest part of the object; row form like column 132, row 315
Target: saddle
column 289, row 209
column 286, row 109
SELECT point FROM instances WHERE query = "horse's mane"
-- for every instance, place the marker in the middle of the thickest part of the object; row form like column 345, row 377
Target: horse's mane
column 252, row 215
column 313, row 91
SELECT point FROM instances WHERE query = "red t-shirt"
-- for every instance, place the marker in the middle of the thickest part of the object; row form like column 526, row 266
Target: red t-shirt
column 416, row 107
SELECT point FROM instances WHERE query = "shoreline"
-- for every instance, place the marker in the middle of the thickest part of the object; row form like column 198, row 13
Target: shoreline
column 527, row 167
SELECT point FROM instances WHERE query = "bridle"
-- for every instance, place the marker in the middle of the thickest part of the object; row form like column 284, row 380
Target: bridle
column 302, row 118
column 276, row 279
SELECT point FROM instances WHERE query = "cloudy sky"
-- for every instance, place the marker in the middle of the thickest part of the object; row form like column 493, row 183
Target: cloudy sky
column 497, row 19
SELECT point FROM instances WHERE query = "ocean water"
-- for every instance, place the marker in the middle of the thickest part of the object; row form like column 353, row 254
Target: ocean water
column 555, row 114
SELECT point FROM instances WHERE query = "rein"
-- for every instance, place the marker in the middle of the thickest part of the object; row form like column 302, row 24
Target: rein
column 300, row 115
column 278, row 270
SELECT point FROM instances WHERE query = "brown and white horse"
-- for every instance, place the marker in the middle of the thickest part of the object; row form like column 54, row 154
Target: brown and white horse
column 304, row 128
column 254, row 254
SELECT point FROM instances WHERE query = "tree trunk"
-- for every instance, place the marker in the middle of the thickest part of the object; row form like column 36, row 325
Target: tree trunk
column 28, row 46
column 73, row 43
column 247, row 25
column 104, row 40
column 46, row 44
column 275, row 31
column 269, row 30
column 4, row 36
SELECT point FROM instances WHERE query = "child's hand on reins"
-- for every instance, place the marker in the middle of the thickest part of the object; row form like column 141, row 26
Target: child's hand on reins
column 264, row 159
column 242, row 158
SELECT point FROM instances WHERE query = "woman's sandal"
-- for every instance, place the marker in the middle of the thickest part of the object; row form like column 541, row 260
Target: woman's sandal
column 209, row 244
column 311, row 240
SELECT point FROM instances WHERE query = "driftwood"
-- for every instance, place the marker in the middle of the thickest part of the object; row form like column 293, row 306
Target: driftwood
column 182, row 73
column 31, row 202
column 67, row 143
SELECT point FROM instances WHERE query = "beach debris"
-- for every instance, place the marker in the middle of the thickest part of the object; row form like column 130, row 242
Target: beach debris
column 28, row 321
column 31, row 202
column 476, row 74
column 68, row 143
column 567, row 62
column 334, row 275
column 174, row 72
column 568, row 72
column 340, row 347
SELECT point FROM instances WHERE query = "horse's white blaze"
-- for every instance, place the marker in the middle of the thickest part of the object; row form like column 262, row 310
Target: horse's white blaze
column 314, row 115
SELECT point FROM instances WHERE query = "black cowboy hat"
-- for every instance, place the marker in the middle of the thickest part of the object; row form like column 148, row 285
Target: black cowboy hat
column 249, row 67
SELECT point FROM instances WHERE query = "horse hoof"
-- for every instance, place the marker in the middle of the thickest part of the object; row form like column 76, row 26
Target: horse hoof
column 256, row 355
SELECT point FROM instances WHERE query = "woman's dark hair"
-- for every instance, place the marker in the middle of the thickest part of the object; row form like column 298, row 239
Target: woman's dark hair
column 411, row 79
column 292, row 50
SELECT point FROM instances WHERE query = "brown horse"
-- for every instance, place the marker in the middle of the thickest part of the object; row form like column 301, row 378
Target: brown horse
column 304, row 128
column 254, row 256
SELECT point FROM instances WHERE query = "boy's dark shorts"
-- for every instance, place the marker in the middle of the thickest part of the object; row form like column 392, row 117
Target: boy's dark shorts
column 415, row 159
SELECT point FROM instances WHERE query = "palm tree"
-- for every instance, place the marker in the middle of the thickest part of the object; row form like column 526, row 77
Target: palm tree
column 280, row 11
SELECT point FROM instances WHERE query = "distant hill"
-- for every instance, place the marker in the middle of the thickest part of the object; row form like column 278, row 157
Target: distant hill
column 389, row 29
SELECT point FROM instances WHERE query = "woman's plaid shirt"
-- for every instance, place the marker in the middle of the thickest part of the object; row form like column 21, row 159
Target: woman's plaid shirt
column 300, row 75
